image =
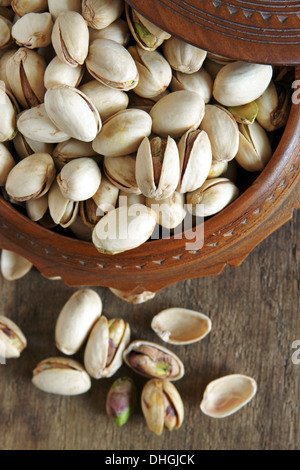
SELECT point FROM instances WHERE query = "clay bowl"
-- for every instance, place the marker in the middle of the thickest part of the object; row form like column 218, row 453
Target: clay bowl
column 228, row 237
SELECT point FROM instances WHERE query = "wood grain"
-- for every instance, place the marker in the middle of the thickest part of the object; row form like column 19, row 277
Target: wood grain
column 255, row 315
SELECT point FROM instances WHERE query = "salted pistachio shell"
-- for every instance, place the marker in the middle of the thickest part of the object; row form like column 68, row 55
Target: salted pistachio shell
column 182, row 56
column 117, row 31
column 33, row 30
column 157, row 167
column 177, row 112
column 121, row 400
column 170, row 211
column 37, row 208
column 71, row 149
column 62, row 210
column 35, row 124
column 255, row 148
column 14, row 266
column 25, row 146
column 133, row 298
column 226, row 395
column 153, row 360
column 195, row 155
column 105, row 346
column 12, row 339
column 108, row 101
column 61, row 376
column 273, row 107
column 70, row 38
column 79, row 179
column 213, row 196
column 31, row 178
column 121, row 172
column 60, row 73
column 100, row 14
column 8, row 116
column 200, row 82
column 222, row 131
column 106, row 196
column 5, row 32
column 162, row 406
column 56, row 8
column 22, row 7
column 25, row 72
column 7, row 163
column 72, row 112
column 124, row 229
column 76, row 319
column 238, row 83
column 122, row 133
column 181, row 325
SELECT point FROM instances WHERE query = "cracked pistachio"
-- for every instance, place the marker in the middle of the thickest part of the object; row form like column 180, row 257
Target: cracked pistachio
column 117, row 31
column 33, row 30
column 170, row 211
column 273, row 107
column 121, row 400
column 60, row 73
column 71, row 149
column 79, row 179
column 7, row 163
column 121, row 172
column 105, row 346
column 200, row 82
column 62, row 210
column 13, row 265
column 56, row 8
column 182, row 56
column 101, row 13
column 162, row 406
column 255, row 148
column 12, row 339
column 21, row 8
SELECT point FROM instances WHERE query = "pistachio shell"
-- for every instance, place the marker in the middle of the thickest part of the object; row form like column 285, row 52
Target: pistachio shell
column 117, row 31
column 100, row 14
column 121, row 172
column 226, row 395
column 273, row 108
column 60, row 73
column 147, row 35
column 133, row 298
column 62, row 210
column 8, row 117
column 3, row 62
column 33, row 30
column 170, row 211
column 79, row 179
column 181, row 325
column 200, row 82
column 56, row 8
column 7, row 163
column 217, row 168
column 25, row 146
column 182, row 56
column 255, row 148
column 71, row 149
column 29, row 6
column 12, row 339
column 37, row 208
column 14, row 266
column 106, row 196
column 5, row 32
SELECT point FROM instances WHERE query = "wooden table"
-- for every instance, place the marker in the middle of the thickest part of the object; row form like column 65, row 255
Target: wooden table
column 255, row 315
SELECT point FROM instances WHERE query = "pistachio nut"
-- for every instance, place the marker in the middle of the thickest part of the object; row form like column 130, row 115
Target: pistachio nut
column 60, row 73
column 25, row 71
column 218, row 168
column 3, row 74
column 5, row 32
column 35, row 124
column 117, row 31
column 213, row 196
column 31, row 178
column 112, row 65
column 25, row 146
column 79, row 179
column 71, row 149
column 36, row 208
column 12, row 339
column 62, row 210
column 147, row 35
column 56, row 8
column 7, row 163
column 8, row 116
column 121, row 172
column 72, row 112
column 76, row 320
column 124, row 229
column 273, row 107
column 222, row 131
column 153, row 360
column 162, row 406
column 21, row 8
column 155, row 73
column 182, row 56
column 121, row 400
column 106, row 196
column 61, row 376
column 122, row 133
column 105, row 346
column 255, row 148
column 14, row 266
column 200, row 82
column 170, row 211
column 100, row 14
column 177, row 112
column 108, row 101
column 157, row 167
column 133, row 298
column 70, row 38
column 238, row 83
column 195, row 155
column 33, row 30
column 244, row 114
column 181, row 325
column 226, row 395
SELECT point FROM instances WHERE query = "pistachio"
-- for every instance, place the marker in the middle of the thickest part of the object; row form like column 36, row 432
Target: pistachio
column 81, row 230
column 3, row 73
column 132, row 297
column 5, row 32
column 117, row 31
column 153, row 360
column 31, row 178
column 273, row 107
column 36, row 208
column 60, row 73
column 255, row 149
column 200, row 82
column 162, row 406
column 12, row 339
column 71, row 149
column 14, row 266
column 226, row 395
column 106, row 196
column 25, row 146
column 129, row 199
column 170, row 211
column 70, row 38
column 7, row 163
column 101, row 13
column 8, row 116
column 56, row 8
column 61, row 376
column 112, row 65
column 76, row 320
column 212, row 67
column 218, row 168
column 105, row 346
column 182, row 56
column 177, row 112
column 121, row 400
column 89, row 213
column 62, row 210
column 21, row 8
column 79, row 179
column 121, row 172
column 33, row 30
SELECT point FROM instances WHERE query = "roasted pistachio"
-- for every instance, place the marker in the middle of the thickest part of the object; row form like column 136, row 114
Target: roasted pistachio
column 117, row 31
column 21, row 8
column 182, row 56
column 71, row 149
column 121, row 400
column 62, row 210
column 79, row 179
column 8, row 116
column 3, row 72
column 133, row 298
column 200, row 82
column 273, row 107
column 37, row 208
column 13, row 265
column 5, row 32
column 56, row 8
column 7, row 163
column 101, row 13
column 106, row 196
column 121, row 172
column 255, row 148
column 60, row 73
column 12, row 339
column 170, row 211
column 25, row 146
column 33, row 30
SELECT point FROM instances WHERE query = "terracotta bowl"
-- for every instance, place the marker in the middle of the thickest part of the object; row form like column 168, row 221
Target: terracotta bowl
column 228, row 236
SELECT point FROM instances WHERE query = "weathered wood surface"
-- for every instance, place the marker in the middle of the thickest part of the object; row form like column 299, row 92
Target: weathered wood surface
column 255, row 314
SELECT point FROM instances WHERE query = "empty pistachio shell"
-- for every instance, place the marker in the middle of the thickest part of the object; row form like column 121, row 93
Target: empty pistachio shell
column 182, row 56
column 79, row 179
column 226, row 395
column 133, row 298
column 14, row 266
column 99, row 14
column 61, row 376
column 12, row 339
column 153, row 360
column 121, row 400
column 181, row 325
column 56, row 8
column 255, row 148
column 33, row 30
column 177, row 112
column 162, row 406
column 60, row 73
column 22, row 8
column 240, row 82
column 7, row 163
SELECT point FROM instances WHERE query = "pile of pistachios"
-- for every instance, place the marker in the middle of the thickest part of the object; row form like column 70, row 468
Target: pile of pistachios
column 111, row 127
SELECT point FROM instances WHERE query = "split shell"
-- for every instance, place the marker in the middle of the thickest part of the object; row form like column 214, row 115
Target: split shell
column 181, row 325
column 226, row 395
column 12, row 339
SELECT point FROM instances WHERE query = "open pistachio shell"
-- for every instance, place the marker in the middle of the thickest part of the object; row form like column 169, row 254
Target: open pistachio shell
column 255, row 148
column 99, row 15
column 226, row 395
column 62, row 210
column 12, row 339
column 8, row 116
column 181, row 325
column 14, row 266
column 3, row 62
column 273, row 107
